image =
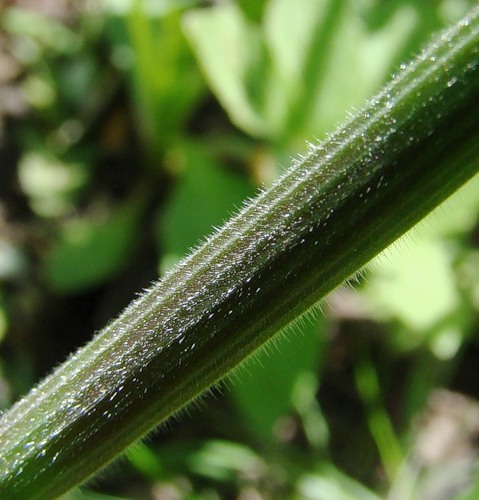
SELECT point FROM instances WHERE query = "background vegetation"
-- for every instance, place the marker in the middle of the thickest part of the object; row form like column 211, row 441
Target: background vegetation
column 128, row 130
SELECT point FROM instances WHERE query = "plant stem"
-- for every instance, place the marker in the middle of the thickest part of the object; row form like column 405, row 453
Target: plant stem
column 413, row 145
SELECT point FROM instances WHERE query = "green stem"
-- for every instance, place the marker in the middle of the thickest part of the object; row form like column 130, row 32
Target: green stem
column 413, row 145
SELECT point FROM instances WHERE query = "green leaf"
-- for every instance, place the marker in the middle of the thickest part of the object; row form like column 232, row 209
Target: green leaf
column 146, row 461
column 149, row 44
column 458, row 216
column 50, row 183
column 417, row 285
column 205, row 195
column 42, row 29
column 253, row 9
column 233, row 72
column 93, row 249
column 222, row 460
column 298, row 72
column 329, row 483
column 264, row 388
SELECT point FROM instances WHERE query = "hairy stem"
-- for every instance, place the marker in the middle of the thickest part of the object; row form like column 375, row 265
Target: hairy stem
column 413, row 145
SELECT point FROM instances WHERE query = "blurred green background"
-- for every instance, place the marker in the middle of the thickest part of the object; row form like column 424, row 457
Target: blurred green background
column 130, row 129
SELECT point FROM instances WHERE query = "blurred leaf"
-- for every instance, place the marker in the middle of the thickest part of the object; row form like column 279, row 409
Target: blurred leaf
column 456, row 217
column 91, row 250
column 301, row 57
column 380, row 426
column 297, row 73
column 205, row 196
column 304, row 399
column 13, row 263
column 264, row 387
column 415, row 284
column 49, row 182
column 39, row 91
column 40, row 28
column 145, row 460
column 234, row 71
column 253, row 9
column 331, row 484
column 166, row 82
column 350, row 49
column 224, row 460
column 267, row 89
